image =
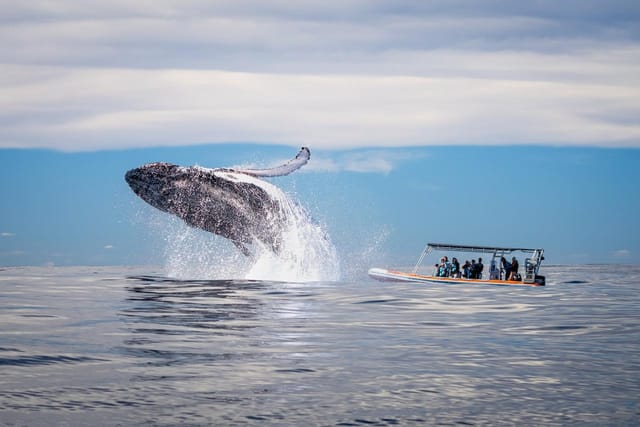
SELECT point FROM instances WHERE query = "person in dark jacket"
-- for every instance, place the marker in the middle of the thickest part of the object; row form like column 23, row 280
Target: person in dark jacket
column 466, row 269
column 473, row 270
column 506, row 268
column 514, row 269
column 479, row 268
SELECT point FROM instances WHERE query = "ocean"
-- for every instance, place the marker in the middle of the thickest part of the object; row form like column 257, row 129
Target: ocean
column 84, row 346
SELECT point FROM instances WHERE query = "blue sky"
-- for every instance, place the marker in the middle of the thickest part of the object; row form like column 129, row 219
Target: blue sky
column 580, row 204
column 494, row 122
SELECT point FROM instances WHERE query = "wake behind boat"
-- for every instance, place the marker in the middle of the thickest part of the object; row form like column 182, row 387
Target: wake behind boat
column 501, row 270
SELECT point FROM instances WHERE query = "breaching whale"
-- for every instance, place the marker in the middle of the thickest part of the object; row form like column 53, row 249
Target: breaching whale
column 232, row 203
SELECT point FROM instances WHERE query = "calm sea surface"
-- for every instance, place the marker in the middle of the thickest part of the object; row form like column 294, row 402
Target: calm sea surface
column 125, row 346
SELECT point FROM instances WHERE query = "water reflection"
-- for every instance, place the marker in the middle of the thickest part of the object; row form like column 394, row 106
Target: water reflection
column 214, row 349
column 188, row 322
column 191, row 304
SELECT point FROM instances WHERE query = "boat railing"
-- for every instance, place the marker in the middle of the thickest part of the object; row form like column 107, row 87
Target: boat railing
column 424, row 253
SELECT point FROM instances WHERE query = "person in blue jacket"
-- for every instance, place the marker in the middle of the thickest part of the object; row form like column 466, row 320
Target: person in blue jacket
column 455, row 268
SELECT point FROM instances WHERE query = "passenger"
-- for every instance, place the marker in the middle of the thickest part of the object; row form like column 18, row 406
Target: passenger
column 455, row 268
column 514, row 269
column 494, row 273
column 505, row 268
column 479, row 268
column 466, row 269
column 442, row 269
column 473, row 270
column 436, row 269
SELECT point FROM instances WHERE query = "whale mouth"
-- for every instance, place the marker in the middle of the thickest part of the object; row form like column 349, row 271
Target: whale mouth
column 137, row 180
column 132, row 177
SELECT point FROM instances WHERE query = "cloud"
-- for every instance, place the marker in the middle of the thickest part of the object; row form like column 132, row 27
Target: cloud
column 108, row 246
column 12, row 253
column 622, row 253
column 334, row 75
column 6, row 234
column 173, row 107
column 370, row 161
column 363, row 164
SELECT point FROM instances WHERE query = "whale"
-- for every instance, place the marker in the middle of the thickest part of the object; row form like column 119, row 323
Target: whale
column 233, row 203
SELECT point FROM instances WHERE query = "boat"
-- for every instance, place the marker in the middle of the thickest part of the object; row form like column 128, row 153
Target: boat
column 496, row 271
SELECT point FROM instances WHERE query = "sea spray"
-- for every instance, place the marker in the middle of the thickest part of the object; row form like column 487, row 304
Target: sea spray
column 369, row 251
column 190, row 253
column 305, row 253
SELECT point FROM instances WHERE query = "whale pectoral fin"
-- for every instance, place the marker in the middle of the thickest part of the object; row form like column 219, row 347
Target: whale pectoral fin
column 245, row 251
column 296, row 163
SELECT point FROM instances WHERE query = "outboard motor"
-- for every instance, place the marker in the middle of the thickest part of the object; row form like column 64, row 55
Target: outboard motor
column 529, row 271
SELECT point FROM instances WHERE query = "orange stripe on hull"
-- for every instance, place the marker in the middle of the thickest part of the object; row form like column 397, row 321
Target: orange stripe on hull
column 453, row 280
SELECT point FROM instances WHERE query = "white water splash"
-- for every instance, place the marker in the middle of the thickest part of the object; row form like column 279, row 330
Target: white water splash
column 307, row 253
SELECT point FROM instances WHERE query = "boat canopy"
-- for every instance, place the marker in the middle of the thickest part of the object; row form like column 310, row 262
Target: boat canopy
column 483, row 249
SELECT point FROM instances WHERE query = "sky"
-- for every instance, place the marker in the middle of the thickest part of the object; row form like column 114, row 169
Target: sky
column 494, row 122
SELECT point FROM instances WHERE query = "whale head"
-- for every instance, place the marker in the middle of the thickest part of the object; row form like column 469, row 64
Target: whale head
column 152, row 183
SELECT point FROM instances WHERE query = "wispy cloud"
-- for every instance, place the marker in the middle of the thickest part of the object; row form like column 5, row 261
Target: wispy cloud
column 329, row 74
column 371, row 161
column 6, row 234
column 12, row 253
column 622, row 253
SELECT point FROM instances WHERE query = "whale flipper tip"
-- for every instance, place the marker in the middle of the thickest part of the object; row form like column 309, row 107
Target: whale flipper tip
column 292, row 165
